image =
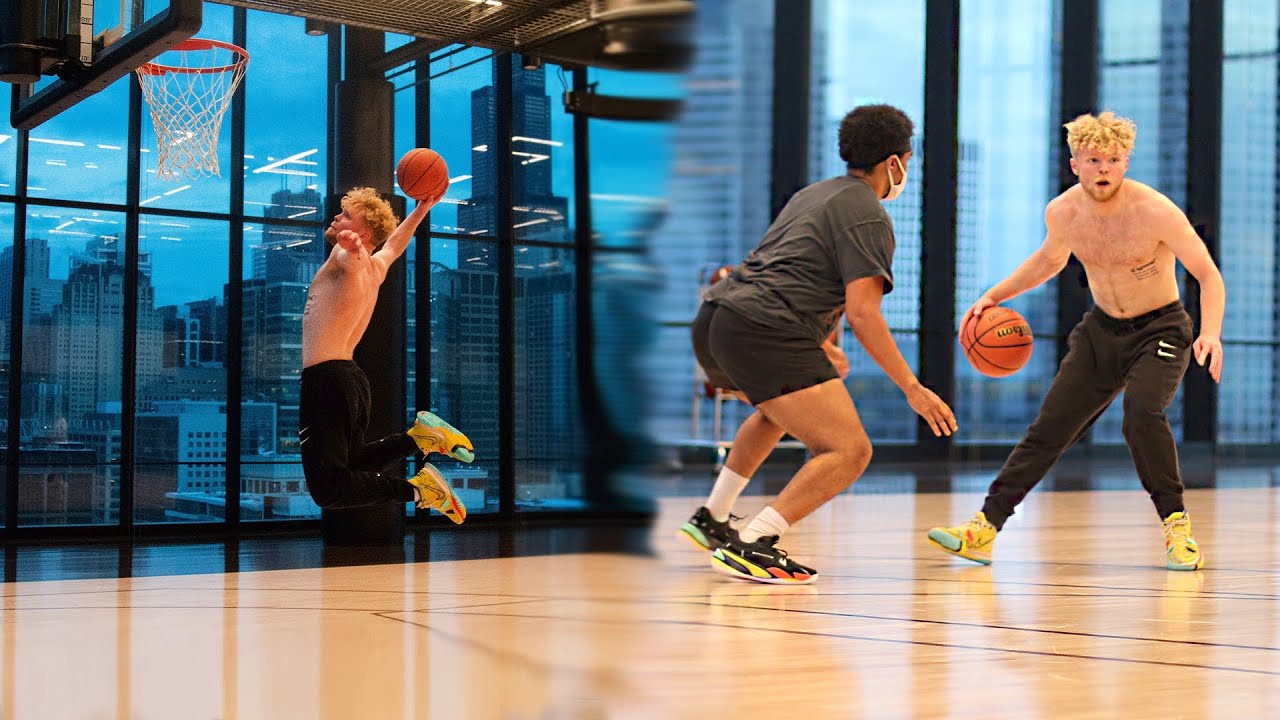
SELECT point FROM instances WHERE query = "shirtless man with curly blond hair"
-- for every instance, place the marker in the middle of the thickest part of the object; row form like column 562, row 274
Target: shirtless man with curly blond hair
column 341, row 470
column 1137, row 339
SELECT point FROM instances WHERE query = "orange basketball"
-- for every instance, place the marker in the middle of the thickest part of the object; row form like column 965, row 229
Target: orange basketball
column 998, row 343
column 422, row 174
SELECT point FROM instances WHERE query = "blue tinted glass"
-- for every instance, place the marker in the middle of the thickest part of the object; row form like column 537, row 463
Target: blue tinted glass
column 73, row 350
column 80, row 154
column 279, row 262
column 285, row 173
column 1005, row 52
column 464, row 360
column 548, row 417
column 1247, row 407
column 463, row 130
column 1142, row 76
column 180, row 450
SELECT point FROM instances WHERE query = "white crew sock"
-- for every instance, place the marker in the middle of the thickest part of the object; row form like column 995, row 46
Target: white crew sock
column 725, row 492
column 767, row 523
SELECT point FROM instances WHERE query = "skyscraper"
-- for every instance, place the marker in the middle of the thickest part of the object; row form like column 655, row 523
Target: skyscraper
column 272, row 361
column 272, row 303
column 41, row 292
column 88, row 353
column 538, row 213
column 464, row 300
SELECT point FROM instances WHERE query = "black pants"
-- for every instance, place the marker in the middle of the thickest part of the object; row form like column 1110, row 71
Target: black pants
column 342, row 471
column 1146, row 357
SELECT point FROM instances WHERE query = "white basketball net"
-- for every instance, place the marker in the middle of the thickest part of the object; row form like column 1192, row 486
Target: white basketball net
column 188, row 98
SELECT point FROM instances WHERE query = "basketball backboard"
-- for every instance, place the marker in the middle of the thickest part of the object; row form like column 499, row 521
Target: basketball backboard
column 56, row 53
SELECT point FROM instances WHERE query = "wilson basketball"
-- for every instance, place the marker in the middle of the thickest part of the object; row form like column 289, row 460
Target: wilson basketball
column 998, row 343
column 422, row 174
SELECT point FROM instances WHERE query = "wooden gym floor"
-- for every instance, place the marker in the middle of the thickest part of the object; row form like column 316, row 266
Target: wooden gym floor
column 1077, row 618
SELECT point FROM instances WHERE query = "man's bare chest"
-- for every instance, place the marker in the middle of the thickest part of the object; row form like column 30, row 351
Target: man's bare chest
column 345, row 283
column 1114, row 244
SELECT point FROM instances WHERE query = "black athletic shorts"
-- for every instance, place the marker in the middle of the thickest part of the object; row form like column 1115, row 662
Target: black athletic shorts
column 763, row 362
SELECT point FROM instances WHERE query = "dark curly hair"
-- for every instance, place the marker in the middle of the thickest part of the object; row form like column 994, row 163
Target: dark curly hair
column 871, row 133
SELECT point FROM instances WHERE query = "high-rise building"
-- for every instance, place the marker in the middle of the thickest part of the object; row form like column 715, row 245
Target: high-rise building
column 546, row 434
column 88, row 353
column 195, row 334
column 272, row 303
column 464, row 300
column 41, row 292
column 272, row 361
column 538, row 213
column 207, row 346
column 181, row 453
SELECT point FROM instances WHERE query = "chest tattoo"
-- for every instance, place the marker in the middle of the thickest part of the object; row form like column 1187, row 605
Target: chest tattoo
column 1145, row 270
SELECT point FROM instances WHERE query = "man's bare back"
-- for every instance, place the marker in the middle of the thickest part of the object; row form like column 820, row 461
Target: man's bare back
column 1120, row 244
column 340, row 303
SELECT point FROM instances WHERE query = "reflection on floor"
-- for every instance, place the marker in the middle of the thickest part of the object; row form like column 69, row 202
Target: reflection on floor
column 1077, row 618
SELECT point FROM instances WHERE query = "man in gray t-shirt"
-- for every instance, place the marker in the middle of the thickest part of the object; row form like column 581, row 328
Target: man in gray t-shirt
column 761, row 332
column 830, row 234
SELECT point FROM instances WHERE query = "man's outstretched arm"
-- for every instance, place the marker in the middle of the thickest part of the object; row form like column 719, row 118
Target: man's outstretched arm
column 398, row 241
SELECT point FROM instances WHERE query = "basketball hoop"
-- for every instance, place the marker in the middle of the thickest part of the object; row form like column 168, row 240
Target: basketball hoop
column 187, row 101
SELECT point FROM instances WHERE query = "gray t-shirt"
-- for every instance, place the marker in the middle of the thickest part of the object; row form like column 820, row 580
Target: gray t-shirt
column 829, row 234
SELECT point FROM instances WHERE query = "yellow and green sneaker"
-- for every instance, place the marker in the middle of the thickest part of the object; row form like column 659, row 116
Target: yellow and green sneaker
column 1181, row 550
column 434, row 491
column 970, row 540
column 435, row 435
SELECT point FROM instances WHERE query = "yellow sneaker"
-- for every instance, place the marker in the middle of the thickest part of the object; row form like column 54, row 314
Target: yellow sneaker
column 435, row 492
column 435, row 435
column 970, row 540
column 1181, row 550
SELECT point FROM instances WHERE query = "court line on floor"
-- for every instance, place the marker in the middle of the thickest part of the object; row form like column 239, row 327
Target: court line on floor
column 987, row 626
column 606, row 677
column 951, row 646
column 369, row 611
column 1229, row 594
column 402, row 591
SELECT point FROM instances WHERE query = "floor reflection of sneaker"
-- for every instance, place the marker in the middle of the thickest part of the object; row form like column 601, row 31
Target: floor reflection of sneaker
column 437, row 493
column 707, row 532
column 760, row 561
column 737, row 593
column 971, row 540
column 435, row 435
column 1181, row 550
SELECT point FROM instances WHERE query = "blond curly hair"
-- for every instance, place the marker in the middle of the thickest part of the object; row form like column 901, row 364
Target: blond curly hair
column 1106, row 132
column 365, row 203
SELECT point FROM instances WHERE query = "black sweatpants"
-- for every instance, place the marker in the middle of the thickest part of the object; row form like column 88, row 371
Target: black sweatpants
column 341, row 470
column 1146, row 357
